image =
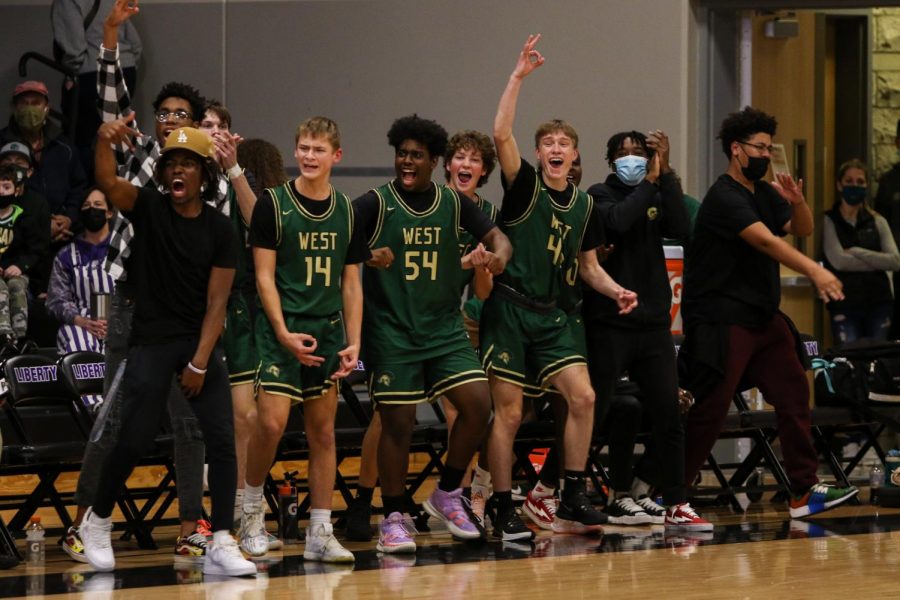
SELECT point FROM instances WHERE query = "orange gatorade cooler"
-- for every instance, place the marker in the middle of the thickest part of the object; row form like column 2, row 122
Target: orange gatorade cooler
column 675, row 267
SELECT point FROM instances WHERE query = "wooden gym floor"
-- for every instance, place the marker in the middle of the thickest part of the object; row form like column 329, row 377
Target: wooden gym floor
column 850, row 552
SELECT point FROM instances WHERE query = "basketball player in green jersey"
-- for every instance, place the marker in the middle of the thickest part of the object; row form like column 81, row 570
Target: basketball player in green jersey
column 549, row 222
column 307, row 247
column 414, row 344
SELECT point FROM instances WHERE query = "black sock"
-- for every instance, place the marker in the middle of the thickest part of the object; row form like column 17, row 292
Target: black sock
column 573, row 483
column 364, row 494
column 504, row 500
column 393, row 504
column 451, row 478
column 467, row 492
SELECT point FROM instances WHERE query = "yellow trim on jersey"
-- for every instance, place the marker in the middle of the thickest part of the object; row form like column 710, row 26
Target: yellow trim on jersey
column 531, row 205
column 294, row 195
column 560, row 365
column 434, row 204
column 379, row 222
column 275, row 207
column 572, row 198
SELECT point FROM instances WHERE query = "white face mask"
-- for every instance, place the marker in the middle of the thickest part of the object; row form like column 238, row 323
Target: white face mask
column 631, row 169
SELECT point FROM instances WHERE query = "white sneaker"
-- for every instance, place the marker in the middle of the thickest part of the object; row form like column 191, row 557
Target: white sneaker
column 97, row 544
column 321, row 545
column 226, row 559
column 254, row 540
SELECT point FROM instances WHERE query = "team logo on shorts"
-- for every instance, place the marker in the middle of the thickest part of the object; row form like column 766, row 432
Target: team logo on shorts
column 385, row 379
column 505, row 357
column 652, row 213
column 273, row 370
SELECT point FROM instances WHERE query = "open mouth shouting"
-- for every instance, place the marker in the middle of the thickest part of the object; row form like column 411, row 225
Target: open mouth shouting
column 178, row 188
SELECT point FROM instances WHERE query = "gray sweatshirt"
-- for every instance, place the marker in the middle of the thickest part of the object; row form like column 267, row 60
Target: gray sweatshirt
column 82, row 47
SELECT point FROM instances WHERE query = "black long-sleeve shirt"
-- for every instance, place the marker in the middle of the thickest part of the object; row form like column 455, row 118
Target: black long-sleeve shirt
column 636, row 219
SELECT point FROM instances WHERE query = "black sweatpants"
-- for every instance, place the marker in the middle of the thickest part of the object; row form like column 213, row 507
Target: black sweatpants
column 649, row 359
column 148, row 377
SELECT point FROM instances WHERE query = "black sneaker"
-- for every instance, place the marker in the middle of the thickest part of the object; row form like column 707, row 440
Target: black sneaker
column 359, row 521
column 625, row 511
column 508, row 526
column 576, row 514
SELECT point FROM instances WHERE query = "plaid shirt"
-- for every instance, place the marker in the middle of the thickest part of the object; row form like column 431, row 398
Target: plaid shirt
column 135, row 166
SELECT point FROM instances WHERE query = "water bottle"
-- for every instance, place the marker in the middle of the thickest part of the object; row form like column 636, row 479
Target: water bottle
column 34, row 533
column 288, row 529
column 876, row 478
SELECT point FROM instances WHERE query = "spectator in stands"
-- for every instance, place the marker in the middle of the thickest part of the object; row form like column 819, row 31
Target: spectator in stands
column 734, row 333
column 20, row 251
column 78, row 27
column 57, row 171
column 34, row 203
column 860, row 249
column 78, row 275
column 887, row 204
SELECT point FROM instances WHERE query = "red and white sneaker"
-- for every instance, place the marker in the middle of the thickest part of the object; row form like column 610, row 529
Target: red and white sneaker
column 540, row 509
column 682, row 517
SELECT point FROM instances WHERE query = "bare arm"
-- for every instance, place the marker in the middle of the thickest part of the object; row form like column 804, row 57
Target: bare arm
column 226, row 149
column 827, row 285
column 217, row 292
column 507, row 148
column 352, row 296
column 501, row 250
column 801, row 223
column 119, row 191
column 594, row 275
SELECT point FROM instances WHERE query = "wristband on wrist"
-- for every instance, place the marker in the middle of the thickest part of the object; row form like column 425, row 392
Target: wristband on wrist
column 191, row 366
column 234, row 171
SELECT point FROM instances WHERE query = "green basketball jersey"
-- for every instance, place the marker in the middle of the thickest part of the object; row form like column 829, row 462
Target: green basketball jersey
column 412, row 308
column 546, row 240
column 467, row 242
column 241, row 275
column 311, row 252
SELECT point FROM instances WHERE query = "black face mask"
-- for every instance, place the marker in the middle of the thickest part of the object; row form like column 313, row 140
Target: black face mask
column 756, row 168
column 5, row 201
column 93, row 219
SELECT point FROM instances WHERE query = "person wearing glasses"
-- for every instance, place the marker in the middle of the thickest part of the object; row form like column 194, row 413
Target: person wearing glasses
column 734, row 333
column 176, row 105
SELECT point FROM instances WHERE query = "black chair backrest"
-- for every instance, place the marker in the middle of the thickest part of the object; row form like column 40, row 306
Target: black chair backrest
column 32, row 376
column 82, row 373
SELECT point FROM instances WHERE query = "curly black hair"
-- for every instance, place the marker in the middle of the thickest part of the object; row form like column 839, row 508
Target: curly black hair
column 616, row 141
column 174, row 89
column 424, row 131
column 739, row 126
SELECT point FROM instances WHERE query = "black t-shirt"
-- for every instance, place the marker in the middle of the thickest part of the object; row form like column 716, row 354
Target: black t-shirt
column 726, row 280
column 471, row 218
column 172, row 257
column 517, row 197
column 263, row 229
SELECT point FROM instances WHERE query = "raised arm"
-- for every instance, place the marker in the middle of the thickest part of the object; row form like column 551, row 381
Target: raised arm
column 111, row 88
column 801, row 223
column 119, row 191
column 507, row 149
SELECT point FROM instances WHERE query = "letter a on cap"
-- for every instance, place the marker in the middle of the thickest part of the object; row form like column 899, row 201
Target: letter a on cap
column 182, row 137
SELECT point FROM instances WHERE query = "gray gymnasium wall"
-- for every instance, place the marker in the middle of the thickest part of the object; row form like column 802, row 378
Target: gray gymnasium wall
column 611, row 65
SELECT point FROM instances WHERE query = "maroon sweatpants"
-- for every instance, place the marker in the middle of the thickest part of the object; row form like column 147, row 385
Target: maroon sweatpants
column 765, row 358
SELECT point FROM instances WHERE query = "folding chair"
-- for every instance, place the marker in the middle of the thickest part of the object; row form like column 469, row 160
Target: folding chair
column 49, row 429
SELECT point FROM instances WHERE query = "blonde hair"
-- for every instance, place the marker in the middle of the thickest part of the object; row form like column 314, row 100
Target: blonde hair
column 319, row 127
column 554, row 126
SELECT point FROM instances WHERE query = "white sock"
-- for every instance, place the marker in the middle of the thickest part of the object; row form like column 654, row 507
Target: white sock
column 319, row 516
column 482, row 477
column 221, row 536
column 542, row 491
column 253, row 495
column 639, row 488
column 238, row 503
column 100, row 520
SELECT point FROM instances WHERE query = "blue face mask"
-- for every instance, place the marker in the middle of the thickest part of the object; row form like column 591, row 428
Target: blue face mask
column 630, row 169
column 853, row 195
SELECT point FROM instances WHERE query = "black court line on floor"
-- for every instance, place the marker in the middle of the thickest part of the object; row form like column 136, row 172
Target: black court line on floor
column 615, row 539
